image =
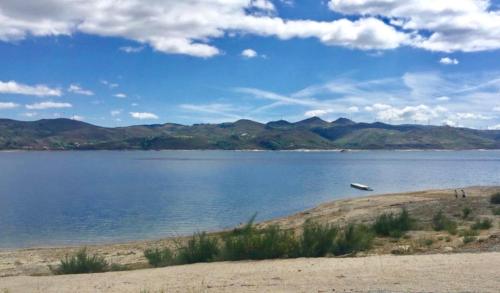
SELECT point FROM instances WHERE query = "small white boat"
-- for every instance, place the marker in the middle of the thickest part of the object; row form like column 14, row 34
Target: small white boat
column 361, row 187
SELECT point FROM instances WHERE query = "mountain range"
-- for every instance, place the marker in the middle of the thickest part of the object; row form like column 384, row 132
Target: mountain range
column 312, row 133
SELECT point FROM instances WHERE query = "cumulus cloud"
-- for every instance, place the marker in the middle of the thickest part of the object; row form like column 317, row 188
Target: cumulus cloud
column 249, row 53
column 420, row 113
column 443, row 25
column 494, row 127
column 13, row 87
column 448, row 61
column 74, row 88
column 8, row 105
column 185, row 27
column 120, row 95
column 48, row 105
column 143, row 115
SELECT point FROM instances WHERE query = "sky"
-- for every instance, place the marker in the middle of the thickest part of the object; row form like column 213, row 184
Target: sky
column 123, row 62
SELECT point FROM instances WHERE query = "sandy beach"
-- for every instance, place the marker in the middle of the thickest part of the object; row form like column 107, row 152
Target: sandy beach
column 463, row 272
column 444, row 266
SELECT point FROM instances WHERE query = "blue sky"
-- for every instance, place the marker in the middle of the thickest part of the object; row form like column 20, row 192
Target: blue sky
column 116, row 63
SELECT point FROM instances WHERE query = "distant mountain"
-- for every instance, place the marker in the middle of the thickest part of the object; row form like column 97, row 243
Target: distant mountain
column 312, row 133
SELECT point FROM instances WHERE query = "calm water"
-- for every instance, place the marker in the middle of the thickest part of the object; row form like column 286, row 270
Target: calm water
column 65, row 198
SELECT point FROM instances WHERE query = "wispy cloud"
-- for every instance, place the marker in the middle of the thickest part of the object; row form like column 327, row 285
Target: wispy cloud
column 74, row 88
column 48, row 105
column 130, row 49
column 109, row 84
column 423, row 97
column 115, row 112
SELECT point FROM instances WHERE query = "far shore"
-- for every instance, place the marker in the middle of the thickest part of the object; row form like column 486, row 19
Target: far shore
column 243, row 150
column 420, row 204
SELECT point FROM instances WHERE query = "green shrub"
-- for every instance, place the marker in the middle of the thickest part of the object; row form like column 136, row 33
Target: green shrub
column 466, row 211
column 393, row 225
column 469, row 239
column 440, row 222
column 352, row 239
column 317, row 240
column 496, row 211
column 268, row 243
column 484, row 224
column 495, row 198
column 114, row 267
column 468, row 233
column 82, row 263
column 159, row 257
column 200, row 248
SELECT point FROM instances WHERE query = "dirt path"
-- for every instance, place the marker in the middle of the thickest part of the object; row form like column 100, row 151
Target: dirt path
column 461, row 272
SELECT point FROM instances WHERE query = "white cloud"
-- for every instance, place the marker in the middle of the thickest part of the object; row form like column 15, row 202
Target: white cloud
column 249, row 53
column 317, row 112
column 115, row 112
column 8, row 105
column 414, row 96
column 189, row 27
column 130, row 49
column 77, row 118
column 443, row 98
column 443, row 25
column 451, row 123
column 420, row 113
column 496, row 109
column 353, row 109
column 473, row 116
column 111, row 85
column 494, row 127
column 143, row 115
column 120, row 95
column 48, row 105
column 186, row 27
column 448, row 61
column 13, row 87
column 263, row 5
column 74, row 88
column 30, row 114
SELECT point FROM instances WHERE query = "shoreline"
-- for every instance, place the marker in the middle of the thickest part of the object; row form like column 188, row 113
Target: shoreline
column 220, row 230
column 35, row 260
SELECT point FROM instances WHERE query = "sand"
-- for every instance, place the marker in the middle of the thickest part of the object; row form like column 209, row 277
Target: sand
column 464, row 272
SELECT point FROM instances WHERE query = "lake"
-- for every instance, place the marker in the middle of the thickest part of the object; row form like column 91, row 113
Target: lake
column 73, row 198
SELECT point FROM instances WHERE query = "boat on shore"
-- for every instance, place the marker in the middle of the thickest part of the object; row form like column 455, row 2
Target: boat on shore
column 361, row 187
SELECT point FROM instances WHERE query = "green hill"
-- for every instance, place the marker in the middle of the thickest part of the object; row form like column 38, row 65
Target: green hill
column 312, row 133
